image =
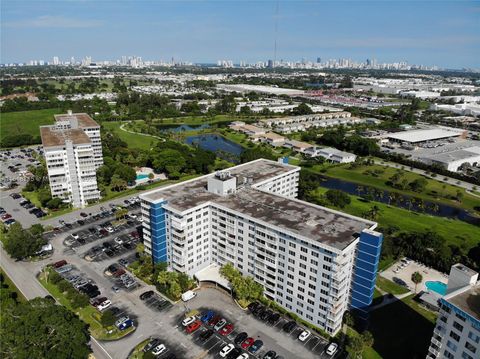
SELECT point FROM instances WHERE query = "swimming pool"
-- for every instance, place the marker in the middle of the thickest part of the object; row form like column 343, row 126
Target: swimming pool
column 437, row 287
column 141, row 176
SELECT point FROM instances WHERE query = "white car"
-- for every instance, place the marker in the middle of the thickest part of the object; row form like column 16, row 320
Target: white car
column 304, row 335
column 109, row 229
column 220, row 324
column 188, row 321
column 226, row 349
column 104, row 305
column 118, row 240
column 132, row 216
column 332, row 349
column 159, row 349
column 75, row 236
column 243, row 356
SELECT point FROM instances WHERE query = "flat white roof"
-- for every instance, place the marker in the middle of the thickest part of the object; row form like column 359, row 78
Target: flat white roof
column 211, row 273
column 424, row 135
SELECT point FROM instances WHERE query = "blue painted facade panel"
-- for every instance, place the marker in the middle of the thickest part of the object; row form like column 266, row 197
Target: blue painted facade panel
column 158, row 232
column 365, row 271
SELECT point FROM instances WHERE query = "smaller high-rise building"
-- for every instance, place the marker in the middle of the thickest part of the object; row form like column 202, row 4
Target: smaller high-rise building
column 457, row 331
column 73, row 153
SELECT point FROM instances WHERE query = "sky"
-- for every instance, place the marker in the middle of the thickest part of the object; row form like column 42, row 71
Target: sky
column 440, row 33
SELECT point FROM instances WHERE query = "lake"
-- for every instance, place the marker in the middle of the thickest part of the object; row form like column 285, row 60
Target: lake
column 224, row 148
column 402, row 201
column 182, row 128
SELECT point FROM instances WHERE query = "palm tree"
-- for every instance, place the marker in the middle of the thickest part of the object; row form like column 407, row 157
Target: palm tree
column 416, row 278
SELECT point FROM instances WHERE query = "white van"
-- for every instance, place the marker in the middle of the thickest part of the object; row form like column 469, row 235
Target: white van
column 188, row 295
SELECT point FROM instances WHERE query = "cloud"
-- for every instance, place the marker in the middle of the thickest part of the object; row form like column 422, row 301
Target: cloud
column 48, row 21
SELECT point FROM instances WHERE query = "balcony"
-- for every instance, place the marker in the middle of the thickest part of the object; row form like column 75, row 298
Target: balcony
column 437, row 343
column 434, row 351
column 177, row 224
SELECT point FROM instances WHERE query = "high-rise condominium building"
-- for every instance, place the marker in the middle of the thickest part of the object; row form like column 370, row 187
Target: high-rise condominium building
column 313, row 261
column 457, row 331
column 73, row 153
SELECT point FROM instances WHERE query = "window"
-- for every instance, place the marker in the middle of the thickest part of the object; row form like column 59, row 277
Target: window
column 470, row 347
column 466, row 356
column 474, row 337
column 452, row 346
column 454, row 335
column 458, row 326
column 462, row 318
column 448, row 355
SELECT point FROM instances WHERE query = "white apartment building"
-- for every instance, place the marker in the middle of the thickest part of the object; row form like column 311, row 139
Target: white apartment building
column 457, row 331
column 311, row 260
column 73, row 153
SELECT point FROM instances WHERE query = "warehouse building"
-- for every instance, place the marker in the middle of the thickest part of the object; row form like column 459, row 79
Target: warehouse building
column 425, row 135
column 311, row 260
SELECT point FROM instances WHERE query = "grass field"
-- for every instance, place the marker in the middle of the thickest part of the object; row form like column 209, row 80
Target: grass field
column 26, row 122
column 434, row 190
column 132, row 139
column 390, row 287
column 454, row 231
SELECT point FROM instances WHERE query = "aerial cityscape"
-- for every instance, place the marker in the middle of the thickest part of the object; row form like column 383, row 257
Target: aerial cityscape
column 242, row 180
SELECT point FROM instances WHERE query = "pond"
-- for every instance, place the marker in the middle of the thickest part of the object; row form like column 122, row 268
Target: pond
column 181, row 128
column 399, row 200
column 224, row 148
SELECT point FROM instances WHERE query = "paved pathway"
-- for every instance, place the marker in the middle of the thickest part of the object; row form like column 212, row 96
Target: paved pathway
column 140, row 133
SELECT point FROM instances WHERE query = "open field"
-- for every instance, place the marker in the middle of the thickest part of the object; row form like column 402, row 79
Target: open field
column 26, row 122
column 377, row 176
column 132, row 139
column 454, row 231
column 390, row 287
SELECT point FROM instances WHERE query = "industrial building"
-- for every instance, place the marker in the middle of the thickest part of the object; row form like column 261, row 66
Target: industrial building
column 271, row 90
column 331, row 154
column 457, row 331
column 73, row 153
column 425, row 135
column 312, row 261
column 453, row 160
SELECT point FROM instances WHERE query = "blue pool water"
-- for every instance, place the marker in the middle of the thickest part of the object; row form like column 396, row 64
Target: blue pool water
column 437, row 287
column 141, row 176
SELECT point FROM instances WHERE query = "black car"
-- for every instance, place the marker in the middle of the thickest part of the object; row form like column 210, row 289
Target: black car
column 253, row 306
column 110, row 253
column 151, row 344
column 34, row 209
column 234, row 354
column 288, row 327
column 259, row 312
column 29, row 205
column 207, row 334
column 266, row 314
column 146, row 295
column 83, row 214
column 92, row 230
column 273, row 318
column 114, row 310
column 240, row 338
column 81, row 222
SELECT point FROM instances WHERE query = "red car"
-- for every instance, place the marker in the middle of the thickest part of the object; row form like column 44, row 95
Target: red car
column 214, row 320
column 227, row 329
column 59, row 263
column 6, row 216
column 247, row 343
column 193, row 326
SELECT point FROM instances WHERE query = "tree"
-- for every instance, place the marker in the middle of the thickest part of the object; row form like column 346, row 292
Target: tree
column 118, row 184
column 170, row 161
column 125, row 172
column 302, row 109
column 355, row 346
column 368, row 339
column 418, row 185
column 348, row 319
column 416, row 278
column 47, row 331
column 337, row 198
column 108, row 319
column 20, row 243
column 121, row 213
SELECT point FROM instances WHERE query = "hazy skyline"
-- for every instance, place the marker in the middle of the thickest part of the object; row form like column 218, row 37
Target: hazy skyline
column 440, row 33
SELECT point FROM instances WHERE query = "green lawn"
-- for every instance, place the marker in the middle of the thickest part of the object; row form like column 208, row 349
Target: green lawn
column 454, row 231
column 88, row 314
column 137, row 352
column 434, row 190
column 400, row 331
column 389, row 286
column 133, row 140
column 26, row 122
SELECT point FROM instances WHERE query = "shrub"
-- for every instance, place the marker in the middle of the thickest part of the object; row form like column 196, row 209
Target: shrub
column 63, row 285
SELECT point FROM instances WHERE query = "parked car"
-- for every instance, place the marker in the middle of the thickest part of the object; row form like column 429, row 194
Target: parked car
column 331, row 349
column 206, row 334
column 97, row 301
column 83, row 214
column 240, row 338
column 147, row 294
column 226, row 349
column 151, row 344
column 121, row 320
column 304, row 335
column 214, row 320
column 159, row 349
column 270, row 355
column 188, row 320
column 207, row 315
column 220, row 324
column 234, row 353
column 104, row 305
column 243, row 356
column 193, row 326
column 126, row 325
column 59, row 263
column 256, row 346
column 288, row 327
column 273, row 318
column 227, row 329
column 188, row 295
column 247, row 343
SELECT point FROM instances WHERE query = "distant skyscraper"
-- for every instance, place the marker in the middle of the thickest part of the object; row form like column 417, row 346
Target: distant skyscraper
column 270, row 64
column 319, row 60
column 56, row 61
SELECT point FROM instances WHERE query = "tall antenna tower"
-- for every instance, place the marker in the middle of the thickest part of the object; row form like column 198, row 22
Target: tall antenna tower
column 276, row 35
